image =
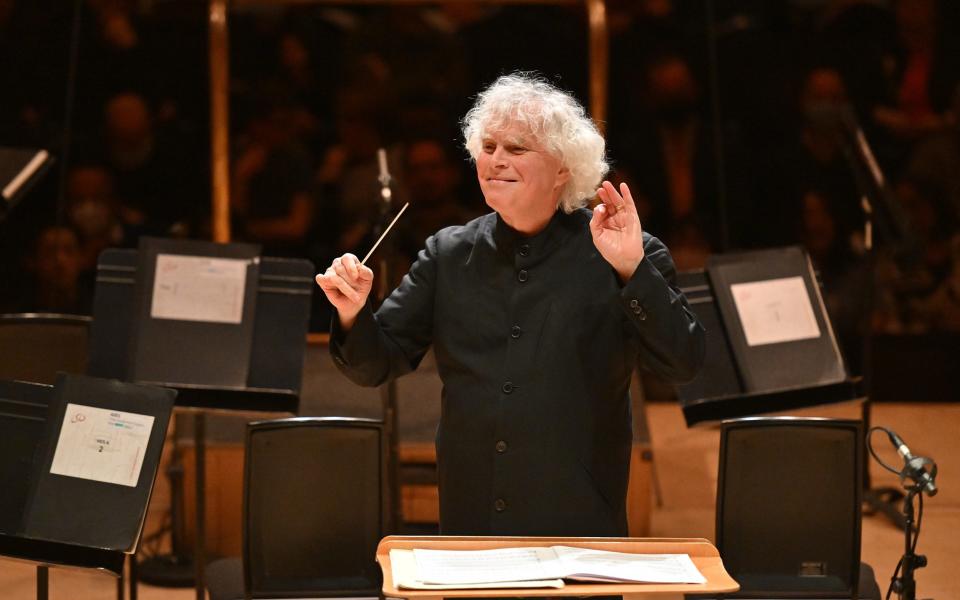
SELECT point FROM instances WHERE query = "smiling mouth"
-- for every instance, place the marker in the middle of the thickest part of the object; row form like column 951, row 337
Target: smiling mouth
column 502, row 180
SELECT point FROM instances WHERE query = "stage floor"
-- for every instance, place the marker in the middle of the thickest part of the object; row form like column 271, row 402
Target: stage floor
column 685, row 461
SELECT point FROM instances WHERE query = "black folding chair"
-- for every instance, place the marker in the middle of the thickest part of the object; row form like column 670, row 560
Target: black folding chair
column 789, row 508
column 314, row 511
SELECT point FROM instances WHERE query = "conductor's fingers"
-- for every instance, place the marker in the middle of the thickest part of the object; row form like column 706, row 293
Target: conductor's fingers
column 343, row 286
column 364, row 273
column 351, row 263
column 600, row 215
column 628, row 201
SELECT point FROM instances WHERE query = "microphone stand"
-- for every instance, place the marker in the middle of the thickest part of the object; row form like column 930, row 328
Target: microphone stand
column 881, row 213
column 388, row 391
column 906, row 584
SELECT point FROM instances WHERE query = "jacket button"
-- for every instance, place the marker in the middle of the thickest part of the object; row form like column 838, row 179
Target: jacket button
column 508, row 388
column 501, row 446
column 522, row 275
column 634, row 303
column 515, row 331
column 500, row 505
column 525, row 250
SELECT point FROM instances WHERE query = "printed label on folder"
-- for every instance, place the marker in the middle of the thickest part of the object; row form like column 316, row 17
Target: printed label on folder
column 102, row 445
column 775, row 311
column 199, row 288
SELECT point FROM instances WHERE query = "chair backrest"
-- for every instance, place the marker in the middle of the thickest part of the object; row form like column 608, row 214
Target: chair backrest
column 314, row 508
column 35, row 346
column 788, row 506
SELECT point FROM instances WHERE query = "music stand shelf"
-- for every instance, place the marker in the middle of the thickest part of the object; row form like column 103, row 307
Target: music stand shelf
column 718, row 408
column 701, row 551
column 233, row 399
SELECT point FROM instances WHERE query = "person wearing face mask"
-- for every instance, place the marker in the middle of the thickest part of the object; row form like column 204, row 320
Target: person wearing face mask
column 94, row 213
column 537, row 314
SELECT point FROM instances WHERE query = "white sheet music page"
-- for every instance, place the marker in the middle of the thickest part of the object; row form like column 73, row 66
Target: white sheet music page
column 405, row 576
column 486, row 566
column 199, row 288
column 775, row 311
column 584, row 564
column 102, row 445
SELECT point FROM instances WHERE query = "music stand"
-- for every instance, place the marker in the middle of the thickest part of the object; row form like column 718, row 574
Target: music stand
column 20, row 169
column 755, row 363
column 198, row 358
column 62, row 506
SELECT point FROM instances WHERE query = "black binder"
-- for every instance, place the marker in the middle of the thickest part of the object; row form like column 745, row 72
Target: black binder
column 270, row 342
column 740, row 379
column 55, row 519
column 162, row 348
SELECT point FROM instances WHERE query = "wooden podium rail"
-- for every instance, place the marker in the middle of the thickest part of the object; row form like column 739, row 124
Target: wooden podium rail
column 703, row 554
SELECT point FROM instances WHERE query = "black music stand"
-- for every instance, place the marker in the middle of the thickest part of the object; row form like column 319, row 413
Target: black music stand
column 20, row 170
column 251, row 364
column 54, row 511
column 753, row 368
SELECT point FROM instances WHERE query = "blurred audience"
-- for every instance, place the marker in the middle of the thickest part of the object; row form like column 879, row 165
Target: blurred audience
column 431, row 179
column 317, row 90
column 922, row 297
column 55, row 281
column 156, row 180
column 270, row 188
column 96, row 215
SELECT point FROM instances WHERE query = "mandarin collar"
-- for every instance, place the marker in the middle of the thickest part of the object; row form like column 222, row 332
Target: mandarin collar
column 510, row 240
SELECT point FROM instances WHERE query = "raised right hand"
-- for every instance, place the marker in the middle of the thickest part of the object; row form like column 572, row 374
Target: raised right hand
column 346, row 283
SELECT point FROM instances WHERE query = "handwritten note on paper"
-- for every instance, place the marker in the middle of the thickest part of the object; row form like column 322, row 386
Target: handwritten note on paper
column 199, row 288
column 775, row 311
column 102, row 445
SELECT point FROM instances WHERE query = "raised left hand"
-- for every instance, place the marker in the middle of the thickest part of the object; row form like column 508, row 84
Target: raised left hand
column 616, row 229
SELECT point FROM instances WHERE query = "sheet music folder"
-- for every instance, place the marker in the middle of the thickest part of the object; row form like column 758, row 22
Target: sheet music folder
column 704, row 555
column 791, row 368
column 269, row 341
column 72, row 520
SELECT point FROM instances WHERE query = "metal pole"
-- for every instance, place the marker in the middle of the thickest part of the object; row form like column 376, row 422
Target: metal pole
column 219, row 121
column 43, row 583
column 199, row 451
column 599, row 61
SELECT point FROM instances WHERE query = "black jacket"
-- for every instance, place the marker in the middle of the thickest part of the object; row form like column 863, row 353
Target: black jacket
column 535, row 340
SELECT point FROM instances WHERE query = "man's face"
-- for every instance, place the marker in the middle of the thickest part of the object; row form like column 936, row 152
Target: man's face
column 429, row 175
column 518, row 178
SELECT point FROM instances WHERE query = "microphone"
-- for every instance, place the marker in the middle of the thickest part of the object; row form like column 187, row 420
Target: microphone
column 384, row 177
column 915, row 466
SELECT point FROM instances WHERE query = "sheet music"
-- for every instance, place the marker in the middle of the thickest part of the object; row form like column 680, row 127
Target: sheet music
column 586, row 564
column 102, row 445
column 199, row 288
column 775, row 311
column 405, row 576
column 484, row 566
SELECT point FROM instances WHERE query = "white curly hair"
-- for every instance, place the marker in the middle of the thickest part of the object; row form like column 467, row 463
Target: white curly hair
column 555, row 120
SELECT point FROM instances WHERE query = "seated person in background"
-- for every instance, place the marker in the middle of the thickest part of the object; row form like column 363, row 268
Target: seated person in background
column 271, row 184
column 55, row 282
column 537, row 314
column 922, row 297
column 431, row 181
column 95, row 213
column 156, row 180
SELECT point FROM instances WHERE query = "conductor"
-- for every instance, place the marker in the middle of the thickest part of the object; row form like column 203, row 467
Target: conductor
column 537, row 314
